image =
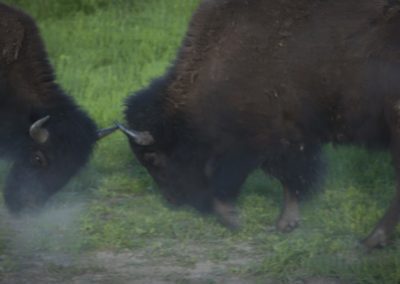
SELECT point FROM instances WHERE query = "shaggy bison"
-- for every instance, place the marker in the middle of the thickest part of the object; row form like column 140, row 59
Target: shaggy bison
column 42, row 131
column 266, row 84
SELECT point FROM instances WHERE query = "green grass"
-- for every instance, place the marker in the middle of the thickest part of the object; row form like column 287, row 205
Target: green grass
column 102, row 51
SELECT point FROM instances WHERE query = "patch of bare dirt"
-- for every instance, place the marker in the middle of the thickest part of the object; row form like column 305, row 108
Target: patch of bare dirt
column 132, row 267
column 122, row 267
column 24, row 262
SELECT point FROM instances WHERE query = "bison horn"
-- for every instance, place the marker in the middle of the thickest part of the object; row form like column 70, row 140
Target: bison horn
column 39, row 134
column 101, row 133
column 142, row 138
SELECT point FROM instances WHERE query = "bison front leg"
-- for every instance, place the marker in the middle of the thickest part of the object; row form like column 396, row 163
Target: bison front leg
column 226, row 176
column 290, row 215
column 299, row 170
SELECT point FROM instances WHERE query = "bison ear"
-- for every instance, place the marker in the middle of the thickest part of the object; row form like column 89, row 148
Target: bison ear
column 142, row 138
column 101, row 133
column 37, row 132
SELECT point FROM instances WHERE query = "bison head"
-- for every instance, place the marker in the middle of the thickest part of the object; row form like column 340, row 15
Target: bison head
column 154, row 137
column 180, row 174
column 55, row 145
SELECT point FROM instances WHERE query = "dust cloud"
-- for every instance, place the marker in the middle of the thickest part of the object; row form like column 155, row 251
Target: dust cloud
column 53, row 228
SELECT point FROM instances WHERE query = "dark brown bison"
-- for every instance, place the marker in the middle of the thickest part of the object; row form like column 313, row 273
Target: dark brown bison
column 266, row 84
column 42, row 131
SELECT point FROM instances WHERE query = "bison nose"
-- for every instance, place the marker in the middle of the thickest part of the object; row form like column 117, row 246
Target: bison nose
column 18, row 205
column 23, row 199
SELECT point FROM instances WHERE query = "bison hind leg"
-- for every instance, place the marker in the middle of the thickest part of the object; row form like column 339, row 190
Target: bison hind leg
column 300, row 171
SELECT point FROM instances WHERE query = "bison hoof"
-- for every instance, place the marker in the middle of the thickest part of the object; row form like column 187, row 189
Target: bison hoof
column 227, row 215
column 231, row 222
column 286, row 224
column 377, row 239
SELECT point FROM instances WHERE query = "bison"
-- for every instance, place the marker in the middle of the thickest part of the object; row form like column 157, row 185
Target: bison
column 265, row 84
column 42, row 131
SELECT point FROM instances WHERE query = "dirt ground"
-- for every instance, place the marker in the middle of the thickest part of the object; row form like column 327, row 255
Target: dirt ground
column 130, row 267
column 123, row 267
column 29, row 263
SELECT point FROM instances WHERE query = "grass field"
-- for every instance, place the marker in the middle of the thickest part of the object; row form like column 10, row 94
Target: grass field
column 103, row 50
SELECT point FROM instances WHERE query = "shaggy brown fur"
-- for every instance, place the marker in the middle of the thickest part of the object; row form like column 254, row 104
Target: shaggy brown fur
column 265, row 84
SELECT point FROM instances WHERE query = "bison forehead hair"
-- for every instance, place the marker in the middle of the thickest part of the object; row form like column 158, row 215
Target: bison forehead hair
column 45, row 135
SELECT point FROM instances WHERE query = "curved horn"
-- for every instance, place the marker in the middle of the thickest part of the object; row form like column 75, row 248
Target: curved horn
column 101, row 133
column 39, row 134
column 143, row 138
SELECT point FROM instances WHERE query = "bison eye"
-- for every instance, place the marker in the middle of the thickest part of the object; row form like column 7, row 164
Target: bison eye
column 38, row 159
column 154, row 159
